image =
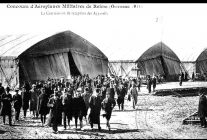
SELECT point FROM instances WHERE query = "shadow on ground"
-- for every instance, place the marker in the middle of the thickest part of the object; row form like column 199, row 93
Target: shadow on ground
column 131, row 110
column 2, row 131
column 96, row 132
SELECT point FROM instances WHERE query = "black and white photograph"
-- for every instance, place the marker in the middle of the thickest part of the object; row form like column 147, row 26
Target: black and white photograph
column 103, row 71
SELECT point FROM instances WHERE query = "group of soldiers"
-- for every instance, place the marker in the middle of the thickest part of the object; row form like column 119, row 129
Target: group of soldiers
column 79, row 97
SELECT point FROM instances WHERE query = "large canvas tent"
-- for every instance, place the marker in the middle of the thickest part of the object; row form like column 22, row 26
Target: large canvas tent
column 30, row 57
column 194, row 60
column 160, row 59
column 201, row 63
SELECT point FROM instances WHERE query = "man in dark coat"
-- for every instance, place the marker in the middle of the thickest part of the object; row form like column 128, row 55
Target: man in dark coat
column 25, row 100
column 139, row 82
column 193, row 76
column 17, row 100
column 202, row 108
column 154, row 83
column 149, row 84
column 103, row 90
column 6, row 99
column 56, row 107
column 107, row 105
column 111, row 89
column 79, row 108
column 67, row 102
column 43, row 110
column 182, row 76
column 2, row 90
column 121, row 92
column 95, row 108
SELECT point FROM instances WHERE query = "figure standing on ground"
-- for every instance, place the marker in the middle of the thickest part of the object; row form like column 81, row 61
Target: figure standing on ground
column 6, row 109
column 86, row 96
column 25, row 100
column 134, row 94
column 79, row 108
column 202, row 109
column 193, row 77
column 121, row 92
column 95, row 108
column 154, row 83
column 17, row 100
column 33, row 101
column 67, row 102
column 43, row 109
column 107, row 105
column 56, row 107
column 139, row 80
column 180, row 80
column 149, row 84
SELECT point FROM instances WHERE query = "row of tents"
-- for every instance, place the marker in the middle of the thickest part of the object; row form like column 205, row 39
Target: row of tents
column 31, row 57
column 161, row 60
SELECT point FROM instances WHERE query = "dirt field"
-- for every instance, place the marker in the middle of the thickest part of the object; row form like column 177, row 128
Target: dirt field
column 155, row 117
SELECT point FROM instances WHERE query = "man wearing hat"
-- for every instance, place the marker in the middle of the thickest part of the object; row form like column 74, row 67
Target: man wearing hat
column 25, row 100
column 121, row 92
column 17, row 100
column 56, row 107
column 95, row 108
column 79, row 107
column 6, row 108
column 33, row 101
column 86, row 96
column 107, row 105
column 111, row 89
column 43, row 110
column 134, row 93
column 67, row 102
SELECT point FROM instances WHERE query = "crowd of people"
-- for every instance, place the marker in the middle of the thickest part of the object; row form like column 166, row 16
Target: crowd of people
column 57, row 101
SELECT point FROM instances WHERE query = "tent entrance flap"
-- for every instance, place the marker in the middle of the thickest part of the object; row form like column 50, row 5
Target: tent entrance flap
column 73, row 68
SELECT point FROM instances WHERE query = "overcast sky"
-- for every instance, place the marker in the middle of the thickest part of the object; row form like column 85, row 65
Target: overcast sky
column 123, row 33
